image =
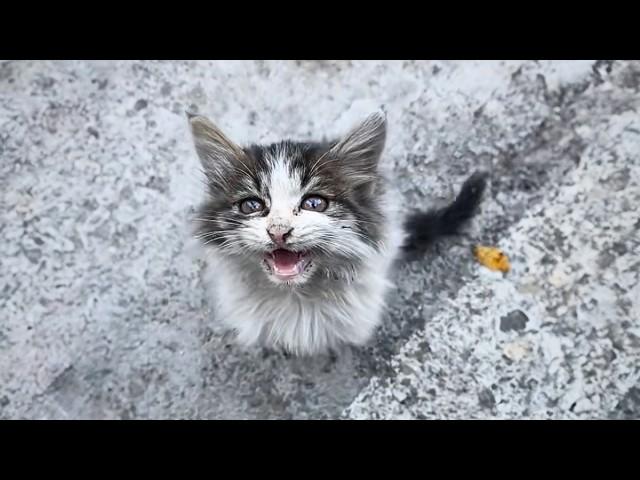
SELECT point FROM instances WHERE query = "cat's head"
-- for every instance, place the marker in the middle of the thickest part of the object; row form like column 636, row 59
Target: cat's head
column 293, row 209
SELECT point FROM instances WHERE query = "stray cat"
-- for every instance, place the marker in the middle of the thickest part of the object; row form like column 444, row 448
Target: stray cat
column 301, row 237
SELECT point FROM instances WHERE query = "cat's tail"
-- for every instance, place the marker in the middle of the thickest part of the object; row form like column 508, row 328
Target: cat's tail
column 423, row 228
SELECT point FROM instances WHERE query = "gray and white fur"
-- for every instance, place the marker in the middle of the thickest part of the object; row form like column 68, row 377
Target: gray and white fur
column 300, row 237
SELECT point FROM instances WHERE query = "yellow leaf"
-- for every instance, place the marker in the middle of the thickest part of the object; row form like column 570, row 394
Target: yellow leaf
column 492, row 258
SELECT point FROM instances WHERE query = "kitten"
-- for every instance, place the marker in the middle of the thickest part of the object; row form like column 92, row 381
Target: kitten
column 301, row 237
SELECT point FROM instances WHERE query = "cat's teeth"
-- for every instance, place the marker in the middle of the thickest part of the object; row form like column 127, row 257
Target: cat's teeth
column 286, row 264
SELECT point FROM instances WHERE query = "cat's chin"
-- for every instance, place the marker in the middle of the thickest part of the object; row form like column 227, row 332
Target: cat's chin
column 288, row 267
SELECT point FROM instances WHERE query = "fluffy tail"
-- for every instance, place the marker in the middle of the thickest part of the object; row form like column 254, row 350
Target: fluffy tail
column 424, row 228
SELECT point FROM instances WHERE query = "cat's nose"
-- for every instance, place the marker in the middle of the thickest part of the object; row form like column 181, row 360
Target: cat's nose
column 279, row 234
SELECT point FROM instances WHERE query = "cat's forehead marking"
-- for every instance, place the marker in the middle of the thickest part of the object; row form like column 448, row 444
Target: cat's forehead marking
column 283, row 182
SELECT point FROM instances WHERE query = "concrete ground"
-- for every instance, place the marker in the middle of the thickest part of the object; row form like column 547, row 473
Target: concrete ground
column 102, row 310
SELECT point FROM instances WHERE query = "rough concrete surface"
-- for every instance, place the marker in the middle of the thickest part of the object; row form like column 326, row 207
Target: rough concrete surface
column 102, row 310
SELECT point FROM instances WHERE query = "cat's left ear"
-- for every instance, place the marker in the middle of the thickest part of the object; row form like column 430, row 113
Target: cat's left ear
column 217, row 153
column 360, row 150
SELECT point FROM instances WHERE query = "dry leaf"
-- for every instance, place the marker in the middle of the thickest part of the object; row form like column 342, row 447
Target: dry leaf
column 492, row 258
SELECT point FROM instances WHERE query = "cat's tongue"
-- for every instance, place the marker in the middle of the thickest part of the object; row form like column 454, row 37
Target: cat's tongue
column 285, row 262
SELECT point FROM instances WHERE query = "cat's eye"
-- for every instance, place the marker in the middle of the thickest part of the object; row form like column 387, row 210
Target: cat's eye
column 251, row 205
column 315, row 203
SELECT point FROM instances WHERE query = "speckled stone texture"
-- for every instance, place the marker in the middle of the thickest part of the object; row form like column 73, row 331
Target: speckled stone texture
column 557, row 337
column 103, row 314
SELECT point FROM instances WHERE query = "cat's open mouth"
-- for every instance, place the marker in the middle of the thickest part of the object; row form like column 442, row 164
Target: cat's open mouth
column 286, row 264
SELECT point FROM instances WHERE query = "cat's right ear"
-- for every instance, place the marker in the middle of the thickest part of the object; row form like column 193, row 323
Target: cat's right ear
column 359, row 151
column 216, row 152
